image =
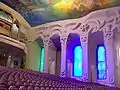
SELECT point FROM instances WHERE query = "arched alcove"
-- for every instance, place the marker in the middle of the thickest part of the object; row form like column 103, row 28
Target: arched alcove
column 96, row 52
column 55, row 55
column 74, row 56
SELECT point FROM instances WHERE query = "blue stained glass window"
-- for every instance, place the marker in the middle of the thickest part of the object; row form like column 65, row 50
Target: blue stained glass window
column 101, row 62
column 42, row 60
column 78, row 61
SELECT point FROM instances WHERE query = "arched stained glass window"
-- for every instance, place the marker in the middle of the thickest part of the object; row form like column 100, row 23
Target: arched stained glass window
column 42, row 60
column 78, row 61
column 101, row 62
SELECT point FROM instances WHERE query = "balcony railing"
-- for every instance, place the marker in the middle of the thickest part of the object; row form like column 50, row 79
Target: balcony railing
column 8, row 30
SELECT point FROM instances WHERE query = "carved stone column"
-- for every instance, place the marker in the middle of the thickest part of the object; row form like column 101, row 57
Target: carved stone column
column 69, row 68
column 63, row 41
column 46, row 54
column 84, row 44
column 109, row 45
column 51, row 63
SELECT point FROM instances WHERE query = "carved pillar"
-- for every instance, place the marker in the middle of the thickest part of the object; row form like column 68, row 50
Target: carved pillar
column 46, row 54
column 63, row 41
column 51, row 63
column 109, row 45
column 69, row 68
column 84, row 44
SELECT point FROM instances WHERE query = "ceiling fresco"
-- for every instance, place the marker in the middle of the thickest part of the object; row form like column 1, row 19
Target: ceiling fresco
column 38, row 12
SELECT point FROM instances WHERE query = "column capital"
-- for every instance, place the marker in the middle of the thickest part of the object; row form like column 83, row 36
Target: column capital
column 108, row 34
column 47, row 42
column 63, row 40
column 84, row 39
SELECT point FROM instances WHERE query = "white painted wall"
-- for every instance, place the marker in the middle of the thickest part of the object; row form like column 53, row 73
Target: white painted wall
column 33, row 56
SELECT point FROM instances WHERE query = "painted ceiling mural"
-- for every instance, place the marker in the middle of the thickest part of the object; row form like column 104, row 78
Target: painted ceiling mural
column 38, row 12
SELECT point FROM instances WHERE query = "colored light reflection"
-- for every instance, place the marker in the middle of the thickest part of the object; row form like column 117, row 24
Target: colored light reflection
column 101, row 66
column 42, row 60
column 78, row 61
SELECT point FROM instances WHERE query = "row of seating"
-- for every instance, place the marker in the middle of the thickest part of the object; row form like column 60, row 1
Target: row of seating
column 17, row 79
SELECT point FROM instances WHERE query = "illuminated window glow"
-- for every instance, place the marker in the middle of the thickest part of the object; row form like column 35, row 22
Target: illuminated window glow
column 42, row 60
column 101, row 63
column 78, row 61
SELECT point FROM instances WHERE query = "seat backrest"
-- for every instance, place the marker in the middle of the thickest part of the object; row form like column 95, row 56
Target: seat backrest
column 13, row 88
column 30, row 88
column 37, row 88
column 22, row 88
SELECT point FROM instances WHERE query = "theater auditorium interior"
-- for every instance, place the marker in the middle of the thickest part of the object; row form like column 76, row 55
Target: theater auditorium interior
column 59, row 44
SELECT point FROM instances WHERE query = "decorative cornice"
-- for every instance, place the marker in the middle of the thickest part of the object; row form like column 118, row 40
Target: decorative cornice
column 55, row 26
column 77, row 26
column 93, row 22
column 108, row 34
column 71, row 24
column 84, row 28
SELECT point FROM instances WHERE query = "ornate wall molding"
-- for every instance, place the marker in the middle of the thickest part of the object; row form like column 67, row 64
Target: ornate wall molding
column 55, row 29
column 111, row 80
column 83, row 39
column 47, row 42
column 63, row 40
column 54, row 26
column 108, row 34
column 93, row 22
column 63, row 73
column 41, row 32
column 70, row 25
column 85, row 77
column 106, row 21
